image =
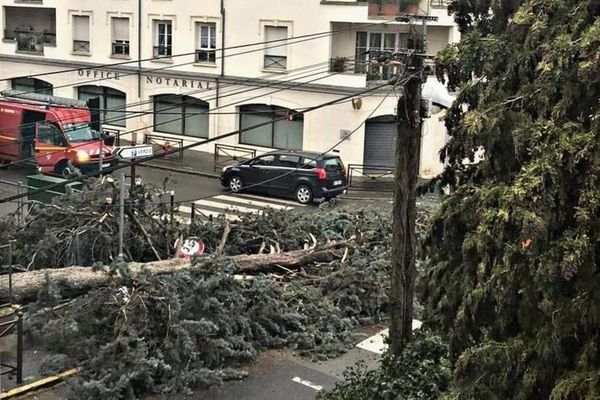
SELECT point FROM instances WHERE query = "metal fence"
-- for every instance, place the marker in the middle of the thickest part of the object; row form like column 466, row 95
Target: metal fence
column 226, row 155
column 162, row 144
column 362, row 177
column 22, row 206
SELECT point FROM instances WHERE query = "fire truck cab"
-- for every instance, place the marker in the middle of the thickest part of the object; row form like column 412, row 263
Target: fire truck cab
column 54, row 132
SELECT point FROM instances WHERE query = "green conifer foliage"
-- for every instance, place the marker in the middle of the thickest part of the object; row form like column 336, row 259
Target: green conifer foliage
column 513, row 254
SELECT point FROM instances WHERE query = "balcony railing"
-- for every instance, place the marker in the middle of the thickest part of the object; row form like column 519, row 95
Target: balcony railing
column 120, row 47
column 205, row 56
column 162, row 52
column 81, row 46
column 30, row 41
column 275, row 62
column 440, row 3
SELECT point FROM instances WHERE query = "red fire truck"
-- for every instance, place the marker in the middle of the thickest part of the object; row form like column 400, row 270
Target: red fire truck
column 54, row 132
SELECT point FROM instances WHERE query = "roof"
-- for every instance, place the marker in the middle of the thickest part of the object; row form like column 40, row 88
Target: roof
column 302, row 153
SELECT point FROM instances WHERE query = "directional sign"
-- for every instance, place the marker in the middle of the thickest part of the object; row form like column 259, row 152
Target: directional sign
column 131, row 152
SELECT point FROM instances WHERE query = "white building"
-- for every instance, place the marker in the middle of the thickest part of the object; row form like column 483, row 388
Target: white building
column 190, row 75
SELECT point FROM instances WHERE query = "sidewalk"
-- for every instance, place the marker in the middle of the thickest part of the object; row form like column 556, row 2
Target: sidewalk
column 201, row 163
column 198, row 163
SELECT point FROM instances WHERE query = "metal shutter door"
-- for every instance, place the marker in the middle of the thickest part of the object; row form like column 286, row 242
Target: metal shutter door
column 380, row 144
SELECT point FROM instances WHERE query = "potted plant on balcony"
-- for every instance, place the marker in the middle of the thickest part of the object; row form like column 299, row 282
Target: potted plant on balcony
column 390, row 8
column 409, row 6
column 338, row 64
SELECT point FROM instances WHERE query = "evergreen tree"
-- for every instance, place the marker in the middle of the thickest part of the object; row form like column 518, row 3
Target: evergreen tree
column 512, row 275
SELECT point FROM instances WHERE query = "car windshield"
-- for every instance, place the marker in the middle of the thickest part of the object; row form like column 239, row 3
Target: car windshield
column 80, row 133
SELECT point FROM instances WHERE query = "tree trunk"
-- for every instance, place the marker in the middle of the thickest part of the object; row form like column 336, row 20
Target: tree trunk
column 79, row 280
column 404, row 214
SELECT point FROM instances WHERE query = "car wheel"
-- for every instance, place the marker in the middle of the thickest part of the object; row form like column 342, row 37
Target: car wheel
column 235, row 184
column 304, row 194
column 63, row 170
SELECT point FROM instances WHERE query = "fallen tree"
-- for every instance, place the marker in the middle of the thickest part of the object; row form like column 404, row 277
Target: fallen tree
column 79, row 280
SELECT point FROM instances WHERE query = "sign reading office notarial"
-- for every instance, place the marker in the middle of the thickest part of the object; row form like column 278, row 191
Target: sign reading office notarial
column 132, row 152
column 149, row 79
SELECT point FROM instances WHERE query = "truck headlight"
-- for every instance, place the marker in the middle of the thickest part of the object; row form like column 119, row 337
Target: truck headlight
column 82, row 156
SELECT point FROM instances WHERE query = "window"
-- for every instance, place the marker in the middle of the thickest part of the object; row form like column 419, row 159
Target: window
column 206, row 42
column 264, row 160
column 282, row 134
column 120, row 36
column 288, row 161
column 112, row 103
column 50, row 134
column 32, row 85
column 163, row 40
column 308, row 163
column 181, row 115
column 377, row 41
column 81, row 34
column 276, row 51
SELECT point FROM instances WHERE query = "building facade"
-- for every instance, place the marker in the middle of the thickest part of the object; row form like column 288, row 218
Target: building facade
column 186, row 70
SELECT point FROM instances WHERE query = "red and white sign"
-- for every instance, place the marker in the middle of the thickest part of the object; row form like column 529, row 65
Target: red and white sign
column 189, row 247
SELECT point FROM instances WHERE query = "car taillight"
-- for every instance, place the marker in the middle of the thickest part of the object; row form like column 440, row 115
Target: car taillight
column 343, row 169
column 321, row 173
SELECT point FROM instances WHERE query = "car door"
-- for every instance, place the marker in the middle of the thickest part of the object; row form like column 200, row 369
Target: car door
column 284, row 174
column 50, row 145
column 259, row 172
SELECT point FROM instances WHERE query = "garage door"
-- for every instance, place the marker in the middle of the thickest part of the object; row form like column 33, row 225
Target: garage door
column 380, row 142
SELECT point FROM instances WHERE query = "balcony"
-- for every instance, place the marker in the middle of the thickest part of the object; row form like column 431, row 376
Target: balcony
column 393, row 8
column 31, row 28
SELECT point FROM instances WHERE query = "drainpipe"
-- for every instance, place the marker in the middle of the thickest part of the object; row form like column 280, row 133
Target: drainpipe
column 139, row 72
column 139, row 49
column 222, row 37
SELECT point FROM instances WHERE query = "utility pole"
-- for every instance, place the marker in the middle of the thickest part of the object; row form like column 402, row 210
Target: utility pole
column 121, row 214
column 404, row 213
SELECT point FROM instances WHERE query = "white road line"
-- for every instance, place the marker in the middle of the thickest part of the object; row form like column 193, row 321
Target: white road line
column 280, row 201
column 377, row 344
column 309, row 384
column 252, row 202
column 227, row 206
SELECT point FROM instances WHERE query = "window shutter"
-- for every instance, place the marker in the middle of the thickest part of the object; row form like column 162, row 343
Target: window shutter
column 81, row 28
column 120, row 29
column 276, row 33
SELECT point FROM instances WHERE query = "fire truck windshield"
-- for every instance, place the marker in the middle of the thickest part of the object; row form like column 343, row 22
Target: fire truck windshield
column 80, row 133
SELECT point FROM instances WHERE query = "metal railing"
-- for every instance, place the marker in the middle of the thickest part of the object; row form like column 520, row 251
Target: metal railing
column 226, row 155
column 81, row 46
column 7, row 325
column 440, row 3
column 162, row 51
column 161, row 144
column 205, row 56
column 275, row 62
column 120, row 48
column 363, row 177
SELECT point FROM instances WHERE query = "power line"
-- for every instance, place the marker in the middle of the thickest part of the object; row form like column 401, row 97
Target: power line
column 184, row 117
column 255, row 86
column 288, row 40
column 109, row 65
column 183, row 148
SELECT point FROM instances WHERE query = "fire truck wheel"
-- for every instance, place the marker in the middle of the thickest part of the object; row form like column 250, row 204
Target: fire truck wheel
column 63, row 170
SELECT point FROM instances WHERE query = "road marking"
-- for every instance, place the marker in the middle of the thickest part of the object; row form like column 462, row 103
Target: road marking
column 377, row 343
column 309, row 384
column 252, row 202
column 227, row 206
column 292, row 203
column 208, row 213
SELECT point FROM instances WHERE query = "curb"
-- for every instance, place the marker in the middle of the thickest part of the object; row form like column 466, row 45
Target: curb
column 181, row 170
column 366, row 198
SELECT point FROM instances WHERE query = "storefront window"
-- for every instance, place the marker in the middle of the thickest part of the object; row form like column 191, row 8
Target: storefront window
column 277, row 133
column 112, row 103
column 32, row 85
column 181, row 115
